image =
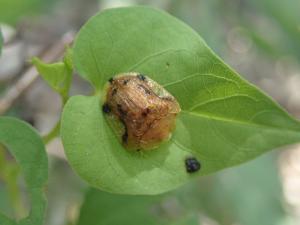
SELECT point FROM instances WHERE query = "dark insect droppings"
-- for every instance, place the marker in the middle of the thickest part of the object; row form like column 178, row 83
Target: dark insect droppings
column 121, row 111
column 114, row 91
column 192, row 165
column 125, row 82
column 125, row 137
column 111, row 80
column 106, row 108
column 167, row 98
column 145, row 112
column 147, row 91
column 141, row 77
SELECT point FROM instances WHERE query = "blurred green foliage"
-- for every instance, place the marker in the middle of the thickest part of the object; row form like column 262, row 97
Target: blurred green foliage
column 1, row 41
column 286, row 18
column 5, row 205
column 11, row 11
column 273, row 25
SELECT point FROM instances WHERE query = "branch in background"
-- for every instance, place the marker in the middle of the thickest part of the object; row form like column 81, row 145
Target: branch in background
column 16, row 90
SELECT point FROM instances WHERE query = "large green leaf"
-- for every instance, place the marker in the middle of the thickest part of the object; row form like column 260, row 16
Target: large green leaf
column 224, row 121
column 26, row 146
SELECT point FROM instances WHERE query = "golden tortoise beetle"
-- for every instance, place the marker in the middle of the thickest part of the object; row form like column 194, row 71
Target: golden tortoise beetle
column 145, row 109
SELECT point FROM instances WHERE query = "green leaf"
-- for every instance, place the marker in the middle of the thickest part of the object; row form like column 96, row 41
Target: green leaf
column 26, row 146
column 224, row 121
column 57, row 75
column 286, row 16
column 100, row 208
column 11, row 11
column 1, row 41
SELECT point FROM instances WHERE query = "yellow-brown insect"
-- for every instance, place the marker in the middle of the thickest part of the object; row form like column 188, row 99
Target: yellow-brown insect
column 146, row 110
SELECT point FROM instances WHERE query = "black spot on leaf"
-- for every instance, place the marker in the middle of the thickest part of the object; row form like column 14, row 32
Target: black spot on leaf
column 122, row 112
column 106, row 108
column 192, row 165
column 114, row 91
column 147, row 91
column 125, row 137
column 141, row 77
column 111, row 80
column 125, row 82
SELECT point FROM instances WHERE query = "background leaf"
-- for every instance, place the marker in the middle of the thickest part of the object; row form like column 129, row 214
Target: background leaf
column 1, row 41
column 285, row 15
column 248, row 194
column 12, row 11
column 27, row 147
column 100, row 208
column 225, row 120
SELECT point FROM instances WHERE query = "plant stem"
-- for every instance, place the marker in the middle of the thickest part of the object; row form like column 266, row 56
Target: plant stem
column 55, row 130
column 52, row 134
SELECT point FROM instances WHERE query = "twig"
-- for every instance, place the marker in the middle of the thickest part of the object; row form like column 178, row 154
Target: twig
column 14, row 92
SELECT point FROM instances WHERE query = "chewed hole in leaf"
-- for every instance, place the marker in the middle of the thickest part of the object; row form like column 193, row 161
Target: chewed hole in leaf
column 15, row 202
column 141, row 112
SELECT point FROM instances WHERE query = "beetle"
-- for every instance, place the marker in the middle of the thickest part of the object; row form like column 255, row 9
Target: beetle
column 139, row 105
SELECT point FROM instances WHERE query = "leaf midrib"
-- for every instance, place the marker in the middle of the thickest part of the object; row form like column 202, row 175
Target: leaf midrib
column 240, row 122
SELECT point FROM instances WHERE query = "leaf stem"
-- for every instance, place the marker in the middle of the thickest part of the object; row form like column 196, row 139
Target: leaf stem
column 55, row 130
column 52, row 134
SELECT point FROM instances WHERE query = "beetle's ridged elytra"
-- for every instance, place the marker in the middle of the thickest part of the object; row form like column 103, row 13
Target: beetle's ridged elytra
column 144, row 108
